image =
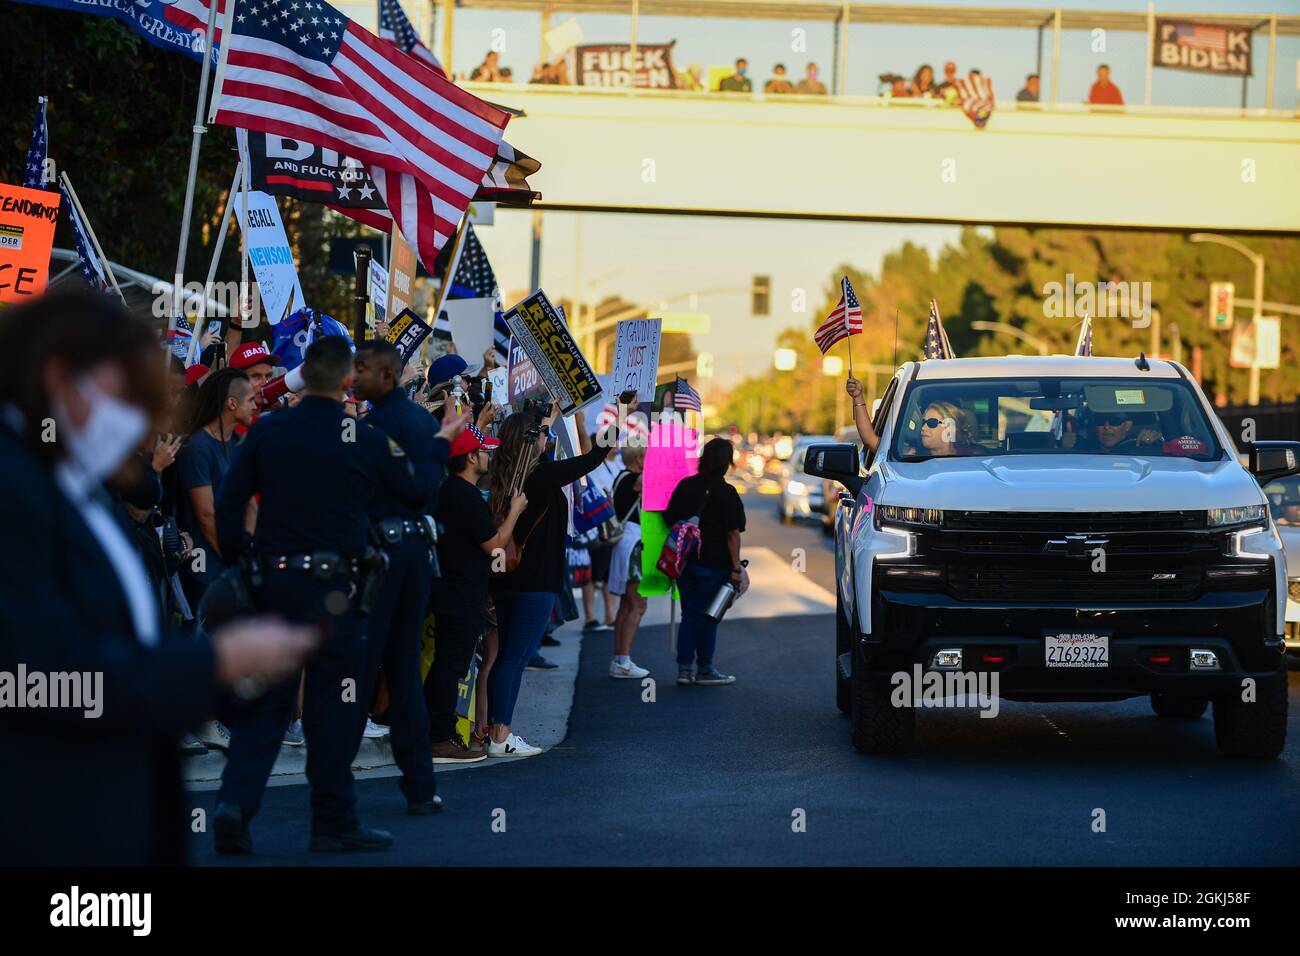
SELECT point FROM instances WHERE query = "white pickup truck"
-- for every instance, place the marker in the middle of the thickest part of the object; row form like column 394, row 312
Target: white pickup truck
column 1080, row 527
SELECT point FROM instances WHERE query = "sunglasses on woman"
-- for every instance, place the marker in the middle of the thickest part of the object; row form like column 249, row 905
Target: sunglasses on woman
column 934, row 422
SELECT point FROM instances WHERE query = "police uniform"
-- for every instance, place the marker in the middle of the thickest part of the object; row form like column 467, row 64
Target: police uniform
column 317, row 471
column 393, row 638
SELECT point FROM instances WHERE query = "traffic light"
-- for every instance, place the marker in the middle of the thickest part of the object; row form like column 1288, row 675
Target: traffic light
column 1221, row 305
column 762, row 295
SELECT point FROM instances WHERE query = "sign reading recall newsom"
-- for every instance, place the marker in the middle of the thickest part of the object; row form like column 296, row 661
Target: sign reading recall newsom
column 538, row 327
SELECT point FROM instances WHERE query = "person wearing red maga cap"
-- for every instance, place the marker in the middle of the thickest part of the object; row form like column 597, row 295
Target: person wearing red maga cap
column 256, row 361
column 467, row 541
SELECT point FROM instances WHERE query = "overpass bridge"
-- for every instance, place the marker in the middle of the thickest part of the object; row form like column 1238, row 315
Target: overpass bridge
column 866, row 158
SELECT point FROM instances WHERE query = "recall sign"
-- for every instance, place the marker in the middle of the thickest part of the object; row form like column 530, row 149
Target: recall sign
column 538, row 327
column 612, row 64
column 1202, row 48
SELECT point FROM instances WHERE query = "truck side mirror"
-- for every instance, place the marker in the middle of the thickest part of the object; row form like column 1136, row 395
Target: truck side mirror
column 838, row 462
column 1271, row 460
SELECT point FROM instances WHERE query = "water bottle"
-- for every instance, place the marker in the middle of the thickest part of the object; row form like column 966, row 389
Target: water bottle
column 725, row 597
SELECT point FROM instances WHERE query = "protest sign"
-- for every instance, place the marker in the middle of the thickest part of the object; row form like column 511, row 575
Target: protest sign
column 1202, row 47
column 500, row 379
column 471, row 326
column 636, row 359
column 671, row 456
column 407, row 331
column 540, row 329
column 268, row 251
column 377, row 307
column 402, row 267
column 613, row 64
column 525, row 381
column 27, row 221
column 654, row 532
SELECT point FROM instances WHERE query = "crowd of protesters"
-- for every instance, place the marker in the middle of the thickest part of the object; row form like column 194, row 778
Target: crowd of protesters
column 509, row 556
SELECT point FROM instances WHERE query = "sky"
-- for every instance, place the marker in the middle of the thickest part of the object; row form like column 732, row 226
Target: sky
column 648, row 259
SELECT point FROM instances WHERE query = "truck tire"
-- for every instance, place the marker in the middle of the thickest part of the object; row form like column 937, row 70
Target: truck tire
column 1181, row 708
column 878, row 726
column 1256, row 729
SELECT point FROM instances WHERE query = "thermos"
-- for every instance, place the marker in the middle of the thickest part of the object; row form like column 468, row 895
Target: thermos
column 725, row 597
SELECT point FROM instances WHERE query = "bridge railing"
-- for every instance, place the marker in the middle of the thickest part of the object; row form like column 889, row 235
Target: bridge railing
column 858, row 47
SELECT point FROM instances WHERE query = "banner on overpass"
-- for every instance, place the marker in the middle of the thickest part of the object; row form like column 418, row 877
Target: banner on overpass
column 1202, row 47
column 612, row 64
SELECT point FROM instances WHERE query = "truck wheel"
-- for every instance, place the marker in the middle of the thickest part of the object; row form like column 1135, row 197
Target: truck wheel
column 843, row 692
column 878, row 726
column 1183, row 708
column 1255, row 729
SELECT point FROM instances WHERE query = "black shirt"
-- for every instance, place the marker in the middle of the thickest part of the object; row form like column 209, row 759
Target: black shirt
column 542, row 565
column 722, row 512
column 464, row 524
column 627, row 500
column 416, row 431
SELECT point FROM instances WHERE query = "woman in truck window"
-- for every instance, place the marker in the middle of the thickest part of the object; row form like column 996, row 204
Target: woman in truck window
column 946, row 431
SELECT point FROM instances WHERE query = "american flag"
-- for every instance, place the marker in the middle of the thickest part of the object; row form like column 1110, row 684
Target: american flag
column 936, row 339
column 91, row 268
column 396, row 28
column 474, row 279
column 683, row 396
column 845, row 319
column 1198, row 37
column 301, row 69
column 1084, row 345
column 976, row 94
column 34, row 170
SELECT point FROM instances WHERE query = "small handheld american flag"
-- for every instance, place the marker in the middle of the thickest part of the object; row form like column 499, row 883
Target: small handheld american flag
column 684, row 397
column 845, row 319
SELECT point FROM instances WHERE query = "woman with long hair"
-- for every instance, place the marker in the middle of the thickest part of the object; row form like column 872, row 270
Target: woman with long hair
column 524, row 596
column 707, row 495
column 923, row 82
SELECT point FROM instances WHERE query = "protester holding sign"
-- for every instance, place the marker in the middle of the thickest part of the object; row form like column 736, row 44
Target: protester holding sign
column 525, row 594
column 721, row 515
column 625, row 566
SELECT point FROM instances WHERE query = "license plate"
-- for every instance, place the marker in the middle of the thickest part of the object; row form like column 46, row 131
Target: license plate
column 1077, row 649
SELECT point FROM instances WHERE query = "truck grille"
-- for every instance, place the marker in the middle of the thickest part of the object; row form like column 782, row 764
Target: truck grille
column 975, row 583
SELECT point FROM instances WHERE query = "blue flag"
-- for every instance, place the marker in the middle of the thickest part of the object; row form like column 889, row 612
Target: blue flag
column 299, row 330
column 170, row 26
column 37, row 151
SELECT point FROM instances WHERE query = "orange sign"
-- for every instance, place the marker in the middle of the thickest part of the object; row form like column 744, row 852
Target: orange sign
column 401, row 275
column 27, row 220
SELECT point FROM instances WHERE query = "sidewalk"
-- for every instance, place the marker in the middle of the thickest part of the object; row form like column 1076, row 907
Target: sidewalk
column 541, row 718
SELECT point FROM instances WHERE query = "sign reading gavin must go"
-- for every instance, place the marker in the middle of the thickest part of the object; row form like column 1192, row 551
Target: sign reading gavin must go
column 537, row 326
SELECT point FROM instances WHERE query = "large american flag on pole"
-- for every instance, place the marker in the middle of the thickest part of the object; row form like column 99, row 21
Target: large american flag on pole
column 845, row 319
column 301, row 69
column 396, row 28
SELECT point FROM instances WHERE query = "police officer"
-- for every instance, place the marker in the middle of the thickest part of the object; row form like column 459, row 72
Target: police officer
column 406, row 534
column 317, row 471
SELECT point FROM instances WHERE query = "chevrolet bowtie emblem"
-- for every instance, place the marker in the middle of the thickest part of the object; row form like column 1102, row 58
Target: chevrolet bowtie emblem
column 1074, row 545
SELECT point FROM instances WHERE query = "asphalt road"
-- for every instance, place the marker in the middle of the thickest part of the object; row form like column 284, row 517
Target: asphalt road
column 719, row 775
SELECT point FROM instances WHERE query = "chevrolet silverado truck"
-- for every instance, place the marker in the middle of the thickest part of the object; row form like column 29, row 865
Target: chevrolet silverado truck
column 1079, row 527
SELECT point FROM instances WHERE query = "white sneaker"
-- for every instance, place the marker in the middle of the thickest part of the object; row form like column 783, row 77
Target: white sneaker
column 627, row 670
column 512, row 746
column 214, row 735
column 373, row 730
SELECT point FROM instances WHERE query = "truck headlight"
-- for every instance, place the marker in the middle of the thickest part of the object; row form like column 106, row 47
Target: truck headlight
column 1231, row 517
column 915, row 517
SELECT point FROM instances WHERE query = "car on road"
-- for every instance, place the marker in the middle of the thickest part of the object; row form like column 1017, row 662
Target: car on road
column 1066, row 529
column 800, row 495
column 1284, row 505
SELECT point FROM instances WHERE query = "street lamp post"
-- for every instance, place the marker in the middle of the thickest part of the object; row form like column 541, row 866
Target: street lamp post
column 1009, row 329
column 1258, row 261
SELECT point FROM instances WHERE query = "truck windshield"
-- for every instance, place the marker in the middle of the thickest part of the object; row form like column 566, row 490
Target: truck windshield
column 1158, row 418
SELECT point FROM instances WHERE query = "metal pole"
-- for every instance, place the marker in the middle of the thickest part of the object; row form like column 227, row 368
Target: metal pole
column 361, row 293
column 1038, row 63
column 85, row 221
column 198, row 129
column 448, row 22
column 535, row 265
column 1259, row 311
column 841, row 52
column 1056, row 55
column 1151, row 46
column 197, row 331
column 1272, row 61
column 1245, row 80
column 636, row 18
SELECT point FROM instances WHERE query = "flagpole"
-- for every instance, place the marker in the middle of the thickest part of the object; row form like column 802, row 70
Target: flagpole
column 198, row 130
column 452, row 264
column 217, row 249
column 90, row 230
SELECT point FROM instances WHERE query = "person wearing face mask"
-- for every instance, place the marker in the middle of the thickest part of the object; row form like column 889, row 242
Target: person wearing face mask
column 810, row 85
column 318, row 471
column 738, row 82
column 81, row 384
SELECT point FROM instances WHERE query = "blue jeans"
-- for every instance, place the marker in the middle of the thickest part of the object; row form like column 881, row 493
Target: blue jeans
column 698, row 634
column 521, row 620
